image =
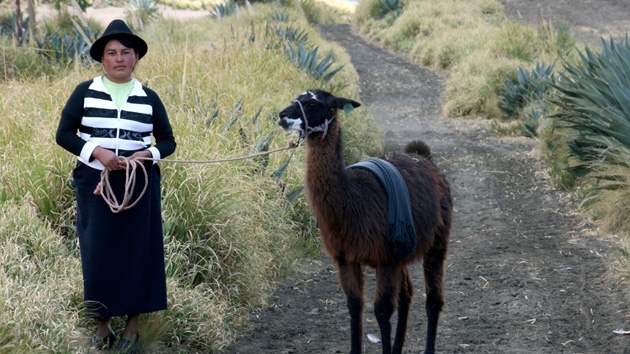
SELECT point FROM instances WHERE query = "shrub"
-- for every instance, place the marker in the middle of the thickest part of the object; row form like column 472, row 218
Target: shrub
column 525, row 96
column 390, row 6
column 525, row 86
column 293, row 40
column 224, row 9
column 307, row 59
column 141, row 12
column 595, row 104
column 62, row 41
column 20, row 62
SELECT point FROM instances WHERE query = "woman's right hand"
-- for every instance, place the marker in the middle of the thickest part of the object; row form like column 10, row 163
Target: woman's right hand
column 108, row 159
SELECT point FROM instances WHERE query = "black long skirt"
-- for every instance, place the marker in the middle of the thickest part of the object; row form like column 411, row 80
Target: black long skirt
column 122, row 254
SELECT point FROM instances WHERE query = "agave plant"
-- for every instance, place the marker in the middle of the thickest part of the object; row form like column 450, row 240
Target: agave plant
column 307, row 59
column 526, row 86
column 225, row 9
column 8, row 25
column 525, row 97
column 595, row 103
column 142, row 12
column 531, row 119
column 63, row 46
column 291, row 34
column 280, row 17
column 389, row 6
column 236, row 113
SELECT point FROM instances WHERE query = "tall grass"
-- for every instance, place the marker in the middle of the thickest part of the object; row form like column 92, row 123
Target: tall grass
column 230, row 229
column 40, row 284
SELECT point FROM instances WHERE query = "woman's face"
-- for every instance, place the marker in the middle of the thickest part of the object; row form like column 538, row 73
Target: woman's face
column 119, row 61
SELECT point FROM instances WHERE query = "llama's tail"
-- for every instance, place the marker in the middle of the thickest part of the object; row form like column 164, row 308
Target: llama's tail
column 418, row 147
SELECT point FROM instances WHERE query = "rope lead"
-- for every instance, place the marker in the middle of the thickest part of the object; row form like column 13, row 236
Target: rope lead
column 130, row 177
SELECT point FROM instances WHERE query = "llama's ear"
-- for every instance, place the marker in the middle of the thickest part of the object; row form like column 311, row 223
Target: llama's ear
column 347, row 105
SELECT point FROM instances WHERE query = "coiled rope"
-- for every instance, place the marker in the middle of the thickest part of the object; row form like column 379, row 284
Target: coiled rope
column 130, row 184
column 132, row 165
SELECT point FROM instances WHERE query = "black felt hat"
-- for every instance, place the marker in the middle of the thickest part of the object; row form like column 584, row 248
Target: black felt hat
column 117, row 29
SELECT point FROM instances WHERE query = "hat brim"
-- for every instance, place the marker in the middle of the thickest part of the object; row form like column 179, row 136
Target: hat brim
column 97, row 49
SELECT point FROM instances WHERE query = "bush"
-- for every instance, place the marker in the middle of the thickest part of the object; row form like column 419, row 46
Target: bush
column 388, row 7
column 595, row 104
column 141, row 12
column 62, row 41
column 224, row 9
column 294, row 42
column 525, row 96
column 20, row 62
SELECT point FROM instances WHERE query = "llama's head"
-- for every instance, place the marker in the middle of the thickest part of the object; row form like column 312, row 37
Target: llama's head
column 312, row 111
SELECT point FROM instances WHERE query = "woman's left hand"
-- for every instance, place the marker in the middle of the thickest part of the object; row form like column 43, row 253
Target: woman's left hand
column 143, row 154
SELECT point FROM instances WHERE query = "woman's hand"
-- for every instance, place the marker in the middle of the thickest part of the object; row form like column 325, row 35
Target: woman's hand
column 143, row 154
column 108, row 159
column 97, row 190
column 111, row 162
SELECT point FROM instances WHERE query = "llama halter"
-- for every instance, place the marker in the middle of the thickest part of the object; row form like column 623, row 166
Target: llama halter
column 310, row 130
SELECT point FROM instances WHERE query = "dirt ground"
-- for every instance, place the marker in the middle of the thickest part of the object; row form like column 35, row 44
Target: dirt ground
column 105, row 14
column 525, row 274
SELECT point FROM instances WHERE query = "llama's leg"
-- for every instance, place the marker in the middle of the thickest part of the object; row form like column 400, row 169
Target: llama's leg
column 434, row 287
column 351, row 281
column 404, row 305
column 388, row 281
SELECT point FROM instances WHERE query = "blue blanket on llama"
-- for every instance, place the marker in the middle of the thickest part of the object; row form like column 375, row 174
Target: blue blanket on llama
column 400, row 229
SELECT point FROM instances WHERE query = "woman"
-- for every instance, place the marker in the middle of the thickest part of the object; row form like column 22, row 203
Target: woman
column 122, row 254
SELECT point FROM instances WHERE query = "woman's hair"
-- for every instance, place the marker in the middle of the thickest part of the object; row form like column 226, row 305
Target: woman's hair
column 128, row 43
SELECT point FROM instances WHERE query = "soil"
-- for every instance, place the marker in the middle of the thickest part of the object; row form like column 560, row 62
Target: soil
column 105, row 14
column 525, row 273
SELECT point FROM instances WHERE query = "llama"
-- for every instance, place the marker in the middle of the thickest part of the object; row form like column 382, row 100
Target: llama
column 351, row 209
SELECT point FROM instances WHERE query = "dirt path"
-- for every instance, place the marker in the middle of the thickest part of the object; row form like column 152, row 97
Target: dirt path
column 523, row 274
column 104, row 15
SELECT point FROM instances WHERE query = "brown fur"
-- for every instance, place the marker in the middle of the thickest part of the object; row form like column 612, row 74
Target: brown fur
column 351, row 209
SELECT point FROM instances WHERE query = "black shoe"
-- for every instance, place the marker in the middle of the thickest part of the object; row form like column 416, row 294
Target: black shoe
column 103, row 343
column 127, row 346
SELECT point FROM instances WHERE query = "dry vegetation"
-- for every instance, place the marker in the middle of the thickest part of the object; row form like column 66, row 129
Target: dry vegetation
column 231, row 229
